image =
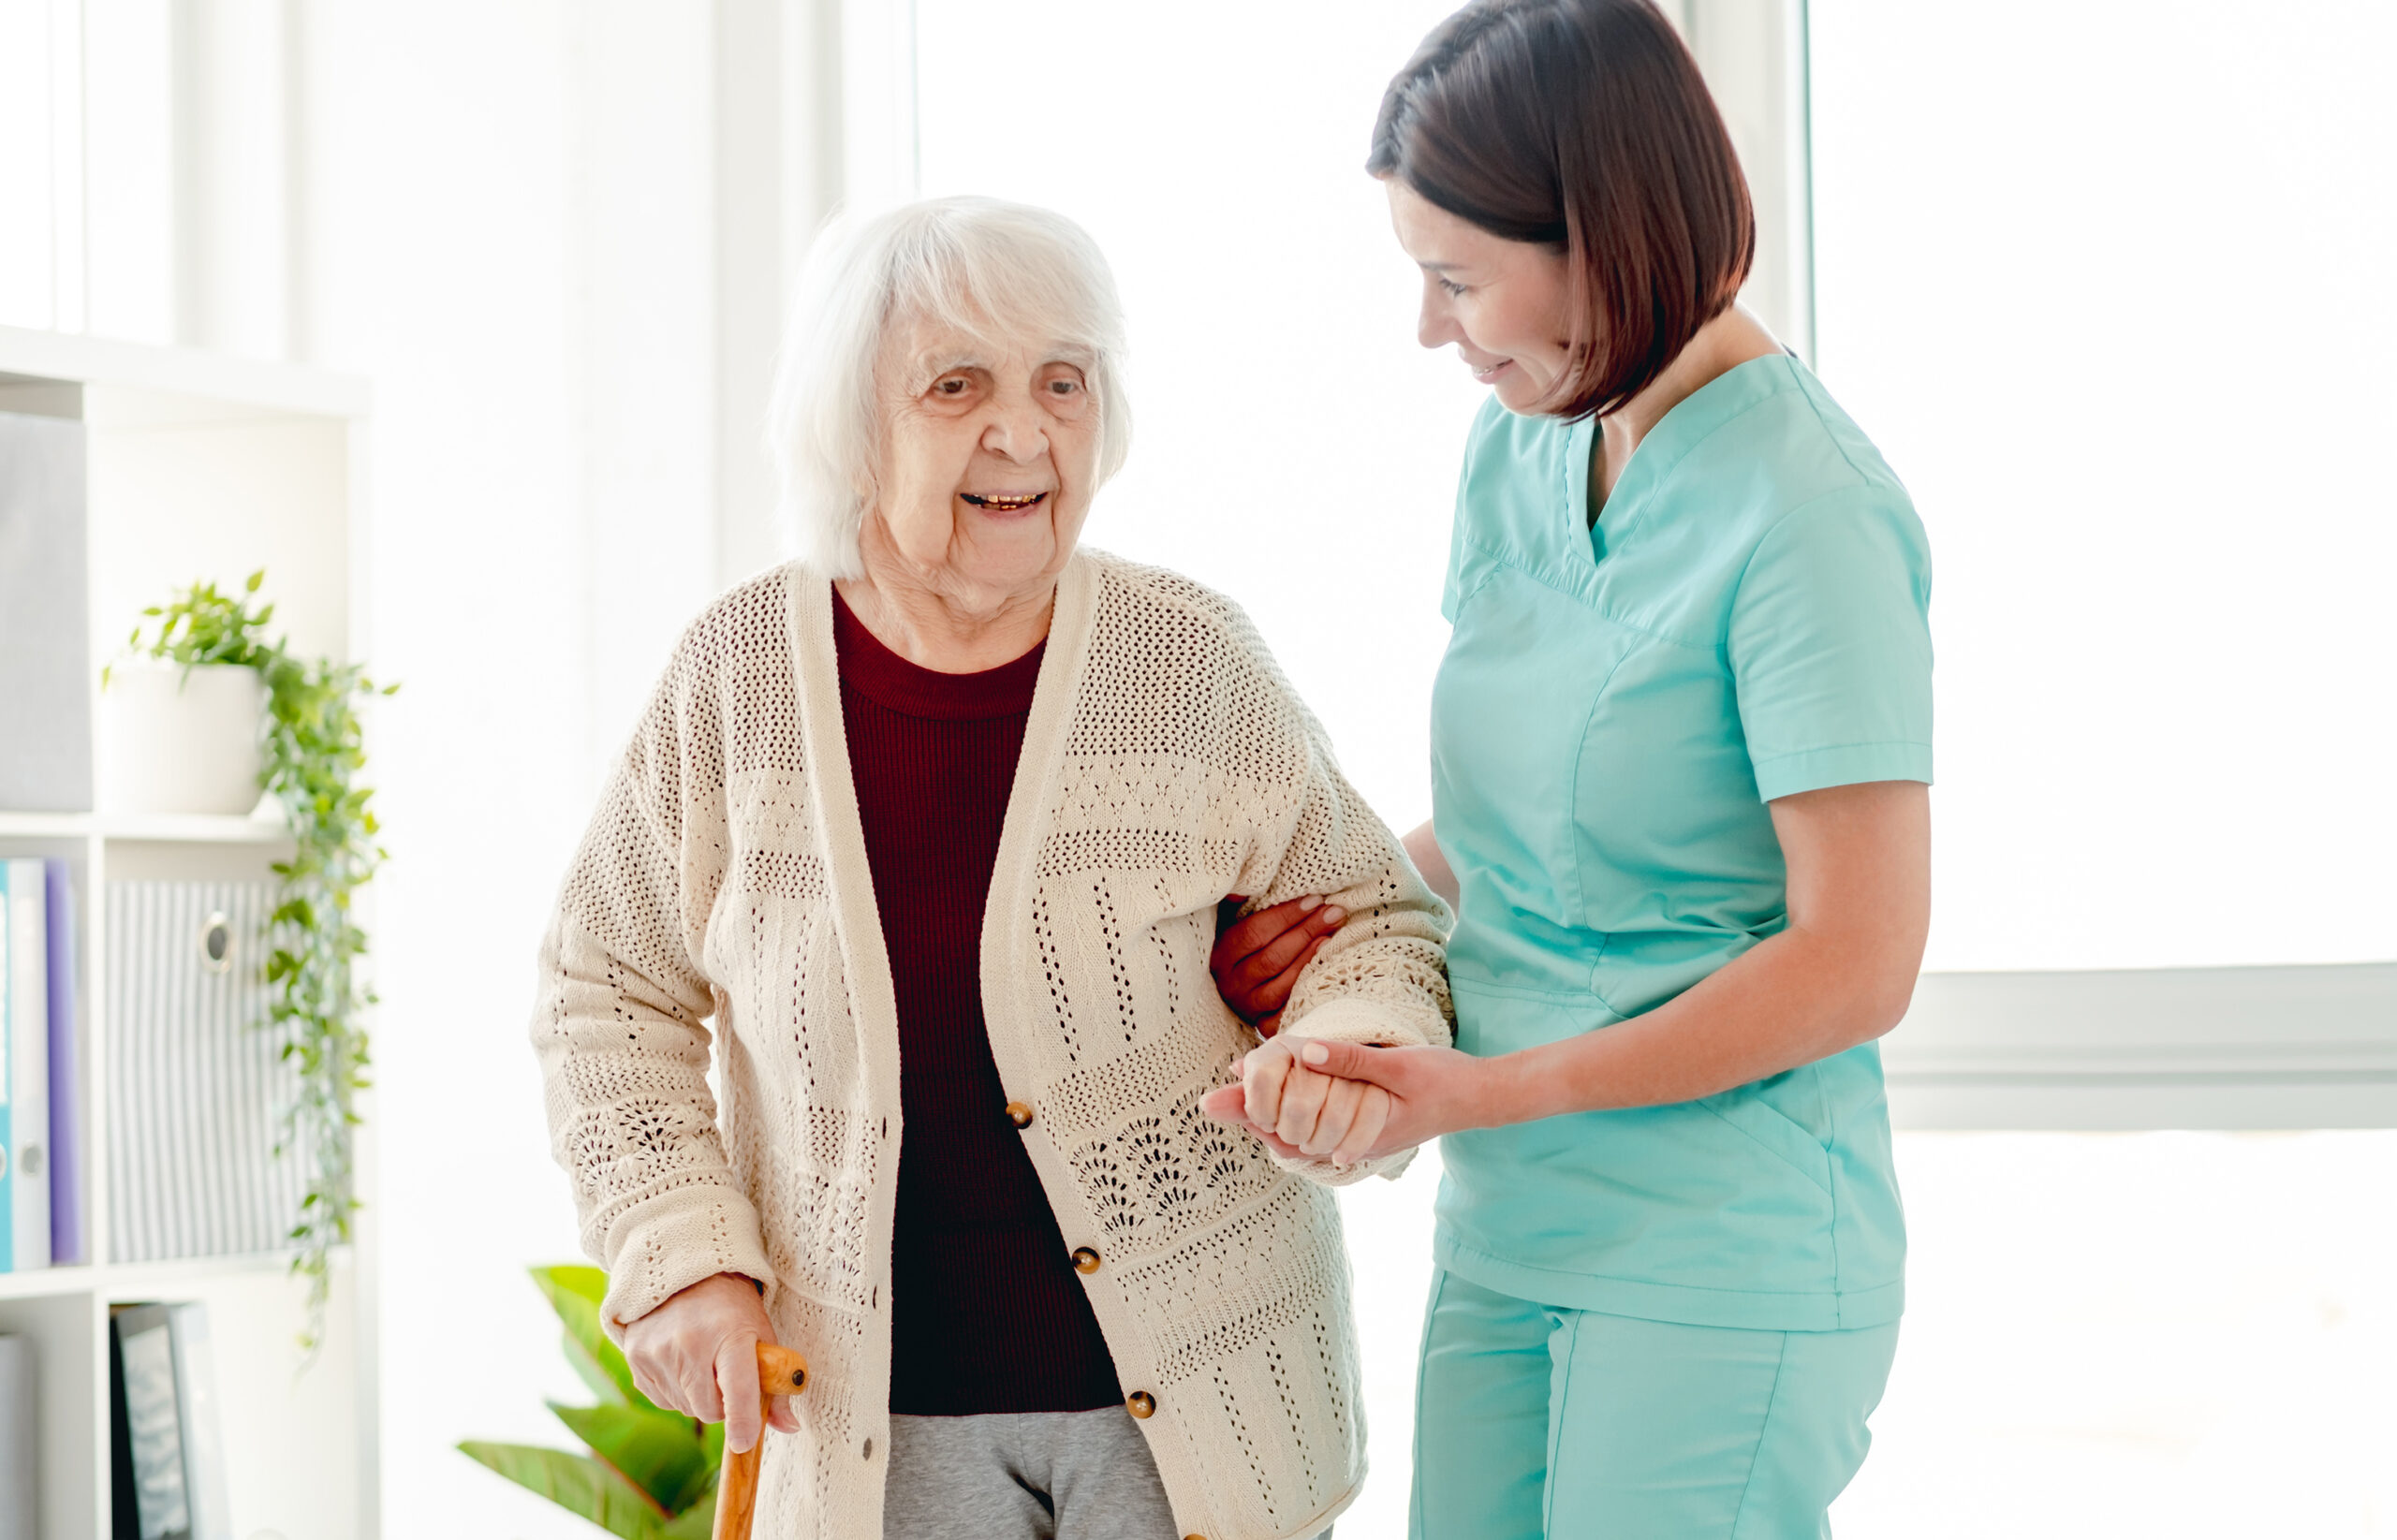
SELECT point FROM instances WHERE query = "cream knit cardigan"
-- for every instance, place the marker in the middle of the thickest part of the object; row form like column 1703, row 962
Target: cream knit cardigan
column 1166, row 763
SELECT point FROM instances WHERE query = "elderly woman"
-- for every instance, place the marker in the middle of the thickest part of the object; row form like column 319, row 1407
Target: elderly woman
column 932, row 826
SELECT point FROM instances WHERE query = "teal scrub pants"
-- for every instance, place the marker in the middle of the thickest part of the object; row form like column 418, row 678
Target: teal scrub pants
column 1532, row 1420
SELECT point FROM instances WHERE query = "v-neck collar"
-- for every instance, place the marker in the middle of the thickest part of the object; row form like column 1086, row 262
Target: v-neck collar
column 882, row 675
column 1692, row 419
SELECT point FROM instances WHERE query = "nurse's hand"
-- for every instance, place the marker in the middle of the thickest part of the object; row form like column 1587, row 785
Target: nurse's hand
column 1258, row 960
column 1432, row 1090
column 1298, row 1112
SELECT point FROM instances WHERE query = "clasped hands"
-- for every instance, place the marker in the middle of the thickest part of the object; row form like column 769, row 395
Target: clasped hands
column 1307, row 1099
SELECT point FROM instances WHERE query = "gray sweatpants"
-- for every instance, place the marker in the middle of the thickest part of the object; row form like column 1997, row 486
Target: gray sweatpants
column 1024, row 1475
column 1031, row 1475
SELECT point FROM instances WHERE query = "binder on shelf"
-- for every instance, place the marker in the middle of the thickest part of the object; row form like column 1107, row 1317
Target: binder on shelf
column 20, row 1469
column 67, row 1239
column 24, row 1027
column 196, row 1091
column 165, row 1446
column 45, row 645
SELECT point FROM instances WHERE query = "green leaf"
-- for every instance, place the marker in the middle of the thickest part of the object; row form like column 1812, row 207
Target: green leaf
column 659, row 1452
column 575, row 1292
column 578, row 1278
column 578, row 1483
column 695, row 1522
column 591, row 1372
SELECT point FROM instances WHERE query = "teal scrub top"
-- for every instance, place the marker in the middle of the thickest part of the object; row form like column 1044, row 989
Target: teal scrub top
column 1617, row 704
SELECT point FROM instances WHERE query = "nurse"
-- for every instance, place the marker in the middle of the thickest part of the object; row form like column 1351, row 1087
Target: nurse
column 1681, row 752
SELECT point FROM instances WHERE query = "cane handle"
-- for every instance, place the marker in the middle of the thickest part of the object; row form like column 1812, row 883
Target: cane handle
column 781, row 1372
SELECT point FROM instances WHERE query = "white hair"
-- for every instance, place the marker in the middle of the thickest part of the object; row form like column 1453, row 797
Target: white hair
column 970, row 264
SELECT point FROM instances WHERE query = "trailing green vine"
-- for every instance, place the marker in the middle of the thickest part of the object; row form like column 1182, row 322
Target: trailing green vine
column 315, row 751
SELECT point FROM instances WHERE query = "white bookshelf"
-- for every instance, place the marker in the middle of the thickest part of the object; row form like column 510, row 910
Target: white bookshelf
column 199, row 467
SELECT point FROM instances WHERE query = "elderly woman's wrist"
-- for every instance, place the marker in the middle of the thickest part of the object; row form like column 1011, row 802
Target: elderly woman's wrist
column 715, row 1282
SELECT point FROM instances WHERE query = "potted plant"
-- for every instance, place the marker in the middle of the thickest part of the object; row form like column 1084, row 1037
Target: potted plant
column 309, row 758
column 180, row 721
column 650, row 1473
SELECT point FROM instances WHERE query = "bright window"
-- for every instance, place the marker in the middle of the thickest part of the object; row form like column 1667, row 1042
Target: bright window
column 2109, row 285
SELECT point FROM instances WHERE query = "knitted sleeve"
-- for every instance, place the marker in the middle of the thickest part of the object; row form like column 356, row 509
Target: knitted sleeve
column 1382, row 977
column 618, row 1031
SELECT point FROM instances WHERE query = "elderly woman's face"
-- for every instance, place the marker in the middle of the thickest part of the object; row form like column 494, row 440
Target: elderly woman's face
column 991, row 450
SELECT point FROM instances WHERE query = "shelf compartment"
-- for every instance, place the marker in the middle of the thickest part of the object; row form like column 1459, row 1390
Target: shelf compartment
column 70, row 1379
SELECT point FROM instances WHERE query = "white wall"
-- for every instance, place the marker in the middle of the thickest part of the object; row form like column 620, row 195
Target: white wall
column 506, row 212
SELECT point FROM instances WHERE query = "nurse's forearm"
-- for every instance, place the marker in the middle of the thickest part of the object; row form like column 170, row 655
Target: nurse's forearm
column 1790, row 1001
column 1805, row 994
column 1841, row 973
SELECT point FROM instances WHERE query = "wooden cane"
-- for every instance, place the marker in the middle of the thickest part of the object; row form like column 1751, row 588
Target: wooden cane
column 781, row 1372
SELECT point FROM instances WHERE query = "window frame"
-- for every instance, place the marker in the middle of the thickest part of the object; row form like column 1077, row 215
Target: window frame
column 2312, row 1046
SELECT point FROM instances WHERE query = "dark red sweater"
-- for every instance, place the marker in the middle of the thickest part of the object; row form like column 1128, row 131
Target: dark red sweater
column 987, row 1311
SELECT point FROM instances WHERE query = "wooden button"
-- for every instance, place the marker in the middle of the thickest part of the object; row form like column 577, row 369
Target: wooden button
column 1019, row 1114
column 1142, row 1405
column 1085, row 1260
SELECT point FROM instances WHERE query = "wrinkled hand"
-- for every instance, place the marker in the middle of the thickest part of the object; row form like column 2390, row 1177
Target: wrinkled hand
column 1258, row 960
column 1429, row 1091
column 697, row 1354
column 1298, row 1111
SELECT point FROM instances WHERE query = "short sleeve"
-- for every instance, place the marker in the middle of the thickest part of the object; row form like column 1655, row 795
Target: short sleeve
column 1830, row 645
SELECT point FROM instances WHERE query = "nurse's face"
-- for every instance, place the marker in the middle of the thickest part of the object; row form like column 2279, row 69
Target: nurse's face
column 1502, row 303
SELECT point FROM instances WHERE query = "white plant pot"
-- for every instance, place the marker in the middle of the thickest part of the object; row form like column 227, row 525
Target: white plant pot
column 176, row 743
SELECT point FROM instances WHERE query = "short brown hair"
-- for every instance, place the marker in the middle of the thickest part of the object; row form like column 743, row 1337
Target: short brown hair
column 1583, row 125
